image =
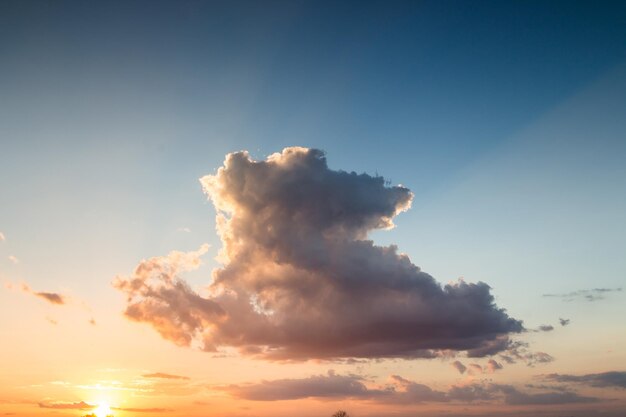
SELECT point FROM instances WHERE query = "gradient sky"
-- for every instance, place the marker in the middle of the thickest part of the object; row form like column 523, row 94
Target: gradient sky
column 506, row 120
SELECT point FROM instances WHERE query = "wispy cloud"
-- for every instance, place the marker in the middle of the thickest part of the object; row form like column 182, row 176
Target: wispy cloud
column 112, row 386
column 493, row 366
column 81, row 405
column 51, row 297
column 519, row 351
column 612, row 379
column 319, row 386
column 295, row 256
column 513, row 396
column 593, row 294
column 133, row 410
column 2, row 237
column 398, row 391
column 475, row 369
column 141, row 410
column 164, row 376
column 13, row 259
column 564, row 322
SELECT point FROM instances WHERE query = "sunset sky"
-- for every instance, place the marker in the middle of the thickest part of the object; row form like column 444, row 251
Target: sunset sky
column 279, row 208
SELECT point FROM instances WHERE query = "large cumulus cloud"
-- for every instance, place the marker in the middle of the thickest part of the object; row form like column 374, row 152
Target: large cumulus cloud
column 301, row 280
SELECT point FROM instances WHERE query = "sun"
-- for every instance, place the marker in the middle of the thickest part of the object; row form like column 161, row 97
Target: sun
column 103, row 410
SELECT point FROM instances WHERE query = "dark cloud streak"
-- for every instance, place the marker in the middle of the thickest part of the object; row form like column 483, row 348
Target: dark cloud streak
column 612, row 379
column 546, row 328
column 594, row 294
column 51, row 297
column 398, row 391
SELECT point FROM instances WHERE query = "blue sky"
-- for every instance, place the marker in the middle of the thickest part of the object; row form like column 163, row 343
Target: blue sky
column 115, row 109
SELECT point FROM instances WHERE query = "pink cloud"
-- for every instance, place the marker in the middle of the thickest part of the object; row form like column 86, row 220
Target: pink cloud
column 300, row 280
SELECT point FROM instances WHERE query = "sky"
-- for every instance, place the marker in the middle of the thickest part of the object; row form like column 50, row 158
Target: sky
column 250, row 209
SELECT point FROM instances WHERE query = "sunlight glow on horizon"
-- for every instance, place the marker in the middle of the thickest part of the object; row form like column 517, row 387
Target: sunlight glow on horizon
column 103, row 410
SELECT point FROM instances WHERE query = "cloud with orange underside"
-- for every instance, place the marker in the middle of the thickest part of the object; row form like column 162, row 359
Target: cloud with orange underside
column 300, row 280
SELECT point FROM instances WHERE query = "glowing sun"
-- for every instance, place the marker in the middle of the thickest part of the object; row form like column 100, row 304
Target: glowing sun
column 103, row 410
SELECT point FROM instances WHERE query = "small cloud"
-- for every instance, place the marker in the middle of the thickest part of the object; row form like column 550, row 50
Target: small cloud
column 164, row 376
column 538, row 357
column 184, row 230
column 459, row 366
column 564, row 322
column 13, row 259
column 518, row 351
column 52, row 321
column 546, row 328
column 395, row 379
column 492, row 366
column 92, row 321
column 475, row 369
column 2, row 237
column 593, row 294
column 51, row 297
column 67, row 405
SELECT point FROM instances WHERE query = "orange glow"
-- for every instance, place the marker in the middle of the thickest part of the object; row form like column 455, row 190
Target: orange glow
column 103, row 410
